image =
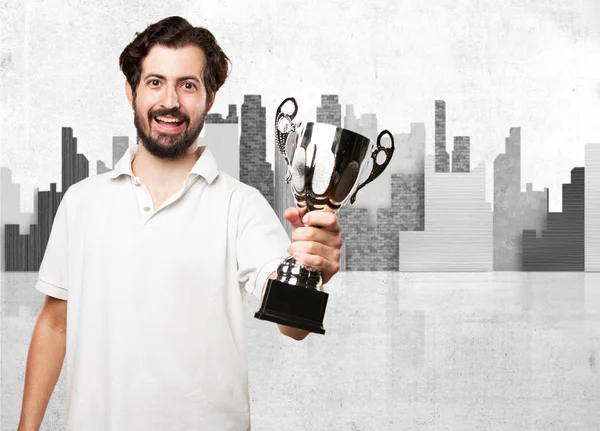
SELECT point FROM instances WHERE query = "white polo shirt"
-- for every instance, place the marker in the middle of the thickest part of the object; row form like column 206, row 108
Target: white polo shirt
column 155, row 325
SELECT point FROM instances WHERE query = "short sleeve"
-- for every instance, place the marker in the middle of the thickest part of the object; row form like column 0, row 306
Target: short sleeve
column 52, row 277
column 262, row 242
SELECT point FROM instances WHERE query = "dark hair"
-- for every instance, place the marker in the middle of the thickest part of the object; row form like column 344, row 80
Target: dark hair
column 176, row 32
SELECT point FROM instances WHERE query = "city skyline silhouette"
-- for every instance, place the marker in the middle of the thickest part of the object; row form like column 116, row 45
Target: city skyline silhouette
column 428, row 197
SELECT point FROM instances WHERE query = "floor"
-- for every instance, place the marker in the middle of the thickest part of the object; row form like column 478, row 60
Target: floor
column 403, row 351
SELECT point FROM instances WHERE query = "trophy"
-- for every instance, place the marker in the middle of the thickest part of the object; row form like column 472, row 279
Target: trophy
column 326, row 166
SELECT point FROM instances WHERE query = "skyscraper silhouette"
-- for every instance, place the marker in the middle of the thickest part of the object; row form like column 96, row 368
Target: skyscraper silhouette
column 254, row 170
column 592, row 207
column 222, row 136
column 461, row 155
column 514, row 210
column 330, row 111
column 562, row 245
column 25, row 252
column 75, row 167
column 442, row 159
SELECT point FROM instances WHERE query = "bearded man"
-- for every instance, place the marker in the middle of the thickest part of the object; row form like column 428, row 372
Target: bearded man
column 146, row 265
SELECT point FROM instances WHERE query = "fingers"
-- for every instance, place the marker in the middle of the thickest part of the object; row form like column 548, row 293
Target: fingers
column 316, row 252
column 317, row 256
column 294, row 216
column 317, row 235
column 316, row 240
column 326, row 261
column 324, row 219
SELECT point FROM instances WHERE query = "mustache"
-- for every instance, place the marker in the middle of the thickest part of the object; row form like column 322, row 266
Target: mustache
column 173, row 112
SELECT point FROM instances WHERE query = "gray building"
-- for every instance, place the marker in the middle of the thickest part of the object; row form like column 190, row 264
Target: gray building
column 10, row 210
column 514, row 210
column 25, row 252
column 592, row 207
column 75, row 167
column 561, row 246
column 254, row 169
column 442, row 159
column 222, row 136
column 461, row 154
column 330, row 111
column 372, row 245
column 119, row 146
column 458, row 232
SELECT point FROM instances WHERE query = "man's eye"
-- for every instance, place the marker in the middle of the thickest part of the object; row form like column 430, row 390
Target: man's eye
column 189, row 86
column 154, row 82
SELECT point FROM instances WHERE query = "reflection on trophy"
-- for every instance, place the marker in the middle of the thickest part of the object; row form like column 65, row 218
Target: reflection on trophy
column 327, row 166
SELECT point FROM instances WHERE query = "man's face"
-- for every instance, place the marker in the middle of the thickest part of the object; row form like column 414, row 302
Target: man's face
column 170, row 104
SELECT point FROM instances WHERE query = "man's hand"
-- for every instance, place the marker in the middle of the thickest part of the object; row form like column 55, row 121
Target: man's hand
column 316, row 240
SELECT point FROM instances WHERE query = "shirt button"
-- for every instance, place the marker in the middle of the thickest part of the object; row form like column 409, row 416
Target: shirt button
column 146, row 209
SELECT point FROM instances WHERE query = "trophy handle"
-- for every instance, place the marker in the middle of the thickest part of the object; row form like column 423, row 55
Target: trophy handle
column 377, row 168
column 283, row 127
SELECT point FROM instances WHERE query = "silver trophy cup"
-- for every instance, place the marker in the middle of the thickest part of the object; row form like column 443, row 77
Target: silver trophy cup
column 327, row 166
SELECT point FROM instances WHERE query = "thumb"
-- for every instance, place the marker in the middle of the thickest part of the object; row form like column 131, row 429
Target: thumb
column 294, row 216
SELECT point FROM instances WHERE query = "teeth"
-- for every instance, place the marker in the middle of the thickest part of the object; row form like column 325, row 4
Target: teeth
column 168, row 120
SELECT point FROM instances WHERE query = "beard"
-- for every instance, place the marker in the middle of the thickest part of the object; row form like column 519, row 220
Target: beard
column 165, row 145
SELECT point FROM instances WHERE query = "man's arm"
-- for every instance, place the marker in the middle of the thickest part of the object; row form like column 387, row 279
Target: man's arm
column 44, row 362
column 316, row 244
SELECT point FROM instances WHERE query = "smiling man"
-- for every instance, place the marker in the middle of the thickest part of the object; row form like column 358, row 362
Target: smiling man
column 153, row 259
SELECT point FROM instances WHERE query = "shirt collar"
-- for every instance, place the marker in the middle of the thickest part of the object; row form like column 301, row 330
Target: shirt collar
column 205, row 166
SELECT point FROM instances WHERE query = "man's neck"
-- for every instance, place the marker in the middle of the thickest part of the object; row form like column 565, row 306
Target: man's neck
column 163, row 174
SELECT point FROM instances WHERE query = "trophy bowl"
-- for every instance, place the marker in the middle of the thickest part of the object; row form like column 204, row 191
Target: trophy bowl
column 327, row 166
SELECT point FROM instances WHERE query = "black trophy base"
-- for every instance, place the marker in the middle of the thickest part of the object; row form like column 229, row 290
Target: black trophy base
column 289, row 305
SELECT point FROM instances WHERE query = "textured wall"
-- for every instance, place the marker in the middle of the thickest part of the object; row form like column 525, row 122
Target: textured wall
column 497, row 65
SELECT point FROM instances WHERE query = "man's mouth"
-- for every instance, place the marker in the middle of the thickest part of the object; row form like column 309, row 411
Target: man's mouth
column 169, row 123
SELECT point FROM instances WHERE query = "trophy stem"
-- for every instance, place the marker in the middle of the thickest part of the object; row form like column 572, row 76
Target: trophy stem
column 291, row 272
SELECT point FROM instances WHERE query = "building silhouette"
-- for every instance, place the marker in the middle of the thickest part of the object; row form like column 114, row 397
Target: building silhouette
column 350, row 120
column 514, row 210
column 10, row 209
column 442, row 159
column 232, row 117
column 592, row 207
column 119, row 146
column 366, row 125
column 254, row 169
column 373, row 246
column 25, row 252
column 75, row 167
column 561, row 246
column 458, row 232
column 461, row 155
column 101, row 167
column 330, row 111
column 222, row 136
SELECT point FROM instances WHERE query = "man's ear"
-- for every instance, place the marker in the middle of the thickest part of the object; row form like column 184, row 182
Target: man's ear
column 129, row 92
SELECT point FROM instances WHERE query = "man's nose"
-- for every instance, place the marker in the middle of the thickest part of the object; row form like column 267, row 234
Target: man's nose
column 170, row 97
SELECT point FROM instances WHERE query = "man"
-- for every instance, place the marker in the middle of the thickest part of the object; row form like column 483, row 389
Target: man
column 152, row 260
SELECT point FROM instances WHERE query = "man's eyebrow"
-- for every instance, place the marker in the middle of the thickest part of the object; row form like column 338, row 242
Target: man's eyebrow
column 164, row 78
